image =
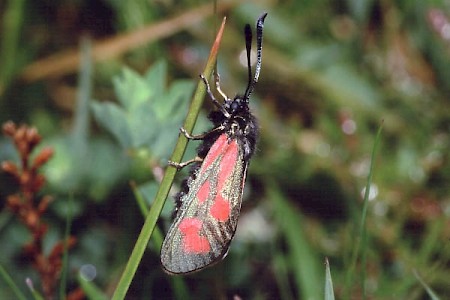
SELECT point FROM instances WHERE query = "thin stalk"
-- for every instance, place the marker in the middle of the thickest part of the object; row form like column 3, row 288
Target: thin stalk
column 65, row 267
column 12, row 285
column 361, row 240
column 12, row 21
column 166, row 183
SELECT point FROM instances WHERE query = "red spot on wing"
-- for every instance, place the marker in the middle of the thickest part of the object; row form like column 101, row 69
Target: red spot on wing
column 203, row 192
column 220, row 210
column 196, row 244
column 227, row 164
column 216, row 149
column 190, row 225
column 192, row 241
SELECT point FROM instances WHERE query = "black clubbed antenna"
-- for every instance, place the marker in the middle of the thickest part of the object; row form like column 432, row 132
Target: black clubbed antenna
column 248, row 48
column 248, row 45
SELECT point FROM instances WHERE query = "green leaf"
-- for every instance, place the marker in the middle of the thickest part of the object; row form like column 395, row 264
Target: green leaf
column 156, row 78
column 113, row 118
column 93, row 174
column 174, row 103
column 149, row 113
column 142, row 124
column 131, row 89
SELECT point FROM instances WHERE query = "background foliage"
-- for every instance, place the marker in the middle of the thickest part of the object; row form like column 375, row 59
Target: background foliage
column 332, row 72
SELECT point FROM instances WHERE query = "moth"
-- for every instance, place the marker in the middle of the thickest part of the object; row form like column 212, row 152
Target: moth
column 209, row 202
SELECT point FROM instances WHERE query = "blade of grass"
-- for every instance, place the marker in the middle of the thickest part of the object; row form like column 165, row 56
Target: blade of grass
column 282, row 275
column 329, row 292
column 63, row 282
column 303, row 262
column 157, row 234
column 12, row 22
column 139, row 198
column 166, row 183
column 361, row 239
column 178, row 284
column 10, row 282
column 430, row 292
column 36, row 294
column 80, row 129
column 79, row 136
column 90, row 289
column 431, row 242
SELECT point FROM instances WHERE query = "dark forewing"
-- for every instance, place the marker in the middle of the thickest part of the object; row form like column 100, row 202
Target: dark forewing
column 207, row 219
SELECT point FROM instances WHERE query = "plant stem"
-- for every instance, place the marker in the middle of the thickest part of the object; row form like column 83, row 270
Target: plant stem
column 166, row 183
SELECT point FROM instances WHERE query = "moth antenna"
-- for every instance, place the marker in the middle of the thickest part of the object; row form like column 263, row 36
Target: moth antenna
column 248, row 48
column 259, row 40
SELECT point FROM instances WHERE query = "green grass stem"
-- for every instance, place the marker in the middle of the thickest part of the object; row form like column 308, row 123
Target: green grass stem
column 10, row 282
column 166, row 183
column 63, row 282
column 427, row 288
column 329, row 292
column 361, row 240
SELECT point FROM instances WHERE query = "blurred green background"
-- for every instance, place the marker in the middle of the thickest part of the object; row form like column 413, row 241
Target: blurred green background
column 108, row 83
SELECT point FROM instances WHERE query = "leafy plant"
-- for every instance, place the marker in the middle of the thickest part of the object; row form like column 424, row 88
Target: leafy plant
column 29, row 207
column 147, row 114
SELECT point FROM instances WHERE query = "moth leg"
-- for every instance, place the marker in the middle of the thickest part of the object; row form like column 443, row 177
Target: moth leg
column 208, row 90
column 213, row 99
column 217, row 78
column 192, row 136
column 202, row 135
column 184, row 164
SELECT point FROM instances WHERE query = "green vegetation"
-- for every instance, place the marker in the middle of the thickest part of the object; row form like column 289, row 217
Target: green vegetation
column 352, row 95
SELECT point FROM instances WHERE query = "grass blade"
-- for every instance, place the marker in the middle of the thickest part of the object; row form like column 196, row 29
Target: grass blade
column 329, row 293
column 303, row 262
column 4, row 274
column 166, row 183
column 429, row 291
column 36, row 294
column 90, row 289
column 12, row 16
column 361, row 239
column 65, row 266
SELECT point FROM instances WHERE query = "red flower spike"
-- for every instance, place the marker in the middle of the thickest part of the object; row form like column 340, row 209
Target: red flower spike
column 14, row 203
column 58, row 249
column 43, row 156
column 11, row 168
column 20, row 134
column 32, row 136
column 32, row 219
column 43, row 205
column 25, row 179
column 9, row 128
column 23, row 205
column 38, row 182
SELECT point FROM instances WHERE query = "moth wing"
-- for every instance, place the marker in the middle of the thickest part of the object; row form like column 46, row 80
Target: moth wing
column 207, row 220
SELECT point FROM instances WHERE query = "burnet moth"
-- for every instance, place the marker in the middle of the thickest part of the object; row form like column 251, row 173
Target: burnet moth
column 210, row 199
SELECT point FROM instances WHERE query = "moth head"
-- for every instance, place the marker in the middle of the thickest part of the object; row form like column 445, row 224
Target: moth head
column 237, row 106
